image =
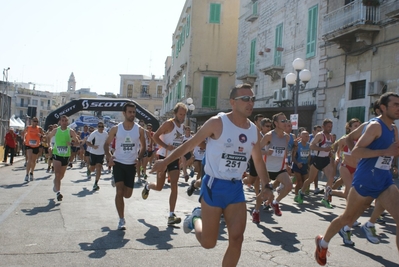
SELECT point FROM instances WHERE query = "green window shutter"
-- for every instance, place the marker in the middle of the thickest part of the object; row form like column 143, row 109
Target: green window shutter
column 255, row 8
column 188, row 25
column 356, row 112
column 278, row 42
column 312, row 32
column 252, row 57
column 183, row 34
column 214, row 16
column 210, row 92
column 179, row 90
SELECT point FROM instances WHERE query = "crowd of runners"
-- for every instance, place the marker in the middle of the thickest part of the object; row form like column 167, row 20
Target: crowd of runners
column 228, row 153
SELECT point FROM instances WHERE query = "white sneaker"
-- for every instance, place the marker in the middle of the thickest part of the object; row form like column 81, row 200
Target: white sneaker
column 356, row 224
column 346, row 237
column 371, row 234
column 31, row 177
column 188, row 222
column 121, row 224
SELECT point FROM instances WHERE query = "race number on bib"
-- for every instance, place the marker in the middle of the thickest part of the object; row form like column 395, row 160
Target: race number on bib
column 383, row 163
column 231, row 163
column 32, row 142
column 304, row 153
column 62, row 149
column 278, row 152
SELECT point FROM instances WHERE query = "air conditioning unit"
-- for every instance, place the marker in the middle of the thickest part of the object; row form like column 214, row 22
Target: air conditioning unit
column 277, row 95
column 286, row 93
column 377, row 88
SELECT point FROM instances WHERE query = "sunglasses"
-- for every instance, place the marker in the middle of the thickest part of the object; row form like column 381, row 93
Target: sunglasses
column 284, row 121
column 100, row 126
column 269, row 126
column 35, row 121
column 246, row 98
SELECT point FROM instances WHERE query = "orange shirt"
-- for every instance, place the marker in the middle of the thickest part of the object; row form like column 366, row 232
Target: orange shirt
column 32, row 136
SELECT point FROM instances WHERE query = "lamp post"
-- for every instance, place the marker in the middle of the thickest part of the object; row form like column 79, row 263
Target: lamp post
column 293, row 80
column 190, row 109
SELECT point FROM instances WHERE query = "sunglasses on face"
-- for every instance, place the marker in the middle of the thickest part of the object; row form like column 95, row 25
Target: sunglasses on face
column 268, row 126
column 246, row 98
column 35, row 121
column 100, row 126
column 284, row 121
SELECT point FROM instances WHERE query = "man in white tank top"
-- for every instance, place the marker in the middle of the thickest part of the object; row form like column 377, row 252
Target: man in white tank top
column 321, row 143
column 128, row 135
column 232, row 139
column 169, row 136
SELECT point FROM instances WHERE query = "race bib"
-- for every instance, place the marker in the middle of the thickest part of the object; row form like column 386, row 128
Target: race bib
column 278, row 152
column 304, row 154
column 62, row 149
column 384, row 163
column 231, row 163
column 32, row 142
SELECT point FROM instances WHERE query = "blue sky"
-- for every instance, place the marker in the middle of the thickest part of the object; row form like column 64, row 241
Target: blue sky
column 44, row 41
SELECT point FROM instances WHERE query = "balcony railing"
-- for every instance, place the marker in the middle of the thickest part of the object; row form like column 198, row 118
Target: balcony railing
column 352, row 14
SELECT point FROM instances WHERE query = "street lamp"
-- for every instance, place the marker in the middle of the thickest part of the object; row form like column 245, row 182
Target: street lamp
column 293, row 81
column 190, row 106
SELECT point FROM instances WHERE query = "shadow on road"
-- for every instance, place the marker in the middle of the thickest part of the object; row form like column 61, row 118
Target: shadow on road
column 114, row 239
column 85, row 192
column 279, row 237
column 379, row 261
column 36, row 210
column 11, row 186
column 43, row 178
column 156, row 237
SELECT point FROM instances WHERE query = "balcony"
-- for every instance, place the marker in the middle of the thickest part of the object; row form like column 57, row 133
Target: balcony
column 352, row 24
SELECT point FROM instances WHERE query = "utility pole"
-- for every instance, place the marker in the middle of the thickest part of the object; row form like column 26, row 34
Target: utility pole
column 5, row 107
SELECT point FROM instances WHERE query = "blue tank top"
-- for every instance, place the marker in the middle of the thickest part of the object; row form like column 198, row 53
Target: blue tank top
column 375, row 172
column 302, row 153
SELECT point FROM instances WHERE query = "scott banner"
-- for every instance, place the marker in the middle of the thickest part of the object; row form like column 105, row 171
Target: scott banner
column 98, row 104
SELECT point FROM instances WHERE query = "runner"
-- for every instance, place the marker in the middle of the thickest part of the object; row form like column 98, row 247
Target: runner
column 96, row 141
column 277, row 140
column 10, row 142
column 232, row 138
column 32, row 134
column 301, row 158
column 128, row 136
column 373, row 179
column 169, row 136
column 63, row 135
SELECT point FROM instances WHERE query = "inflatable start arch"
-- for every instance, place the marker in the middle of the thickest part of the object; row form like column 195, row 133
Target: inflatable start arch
column 100, row 104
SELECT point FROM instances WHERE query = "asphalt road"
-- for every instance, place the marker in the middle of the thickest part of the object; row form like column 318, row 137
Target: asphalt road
column 36, row 230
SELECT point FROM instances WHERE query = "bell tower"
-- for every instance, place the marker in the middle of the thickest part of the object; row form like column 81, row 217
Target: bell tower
column 71, row 83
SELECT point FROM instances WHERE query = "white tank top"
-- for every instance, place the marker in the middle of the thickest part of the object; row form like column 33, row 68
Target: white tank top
column 175, row 138
column 198, row 153
column 127, row 144
column 227, row 157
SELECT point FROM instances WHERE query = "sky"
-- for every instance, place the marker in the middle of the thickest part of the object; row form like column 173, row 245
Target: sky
column 44, row 41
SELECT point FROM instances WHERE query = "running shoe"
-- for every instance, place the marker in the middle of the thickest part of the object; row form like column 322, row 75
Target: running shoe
column 276, row 208
column 326, row 203
column 188, row 224
column 328, row 194
column 173, row 219
column 48, row 170
column 318, row 191
column 191, row 188
column 346, row 237
column 96, row 187
column 266, row 206
column 186, row 177
column 380, row 220
column 27, row 178
column 371, row 234
column 70, row 165
column 145, row 176
column 113, row 181
column 59, row 196
column 88, row 173
column 121, row 224
column 145, row 192
column 255, row 217
column 31, row 176
column 356, row 224
column 296, row 198
column 25, row 164
column 300, row 196
column 320, row 253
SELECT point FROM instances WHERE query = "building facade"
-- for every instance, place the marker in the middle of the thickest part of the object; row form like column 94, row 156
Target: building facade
column 145, row 90
column 203, row 59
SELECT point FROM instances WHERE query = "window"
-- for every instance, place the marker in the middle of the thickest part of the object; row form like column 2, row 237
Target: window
column 144, row 90
column 214, row 16
column 358, row 90
column 278, row 43
column 183, row 35
column 356, row 112
column 34, row 102
column 209, row 92
column 179, row 90
column 159, row 90
column 188, row 25
column 252, row 57
column 130, row 90
column 255, row 8
column 312, row 32
column 183, row 86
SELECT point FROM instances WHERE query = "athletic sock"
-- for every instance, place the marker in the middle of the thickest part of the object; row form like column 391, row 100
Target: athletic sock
column 347, row 228
column 323, row 243
column 369, row 224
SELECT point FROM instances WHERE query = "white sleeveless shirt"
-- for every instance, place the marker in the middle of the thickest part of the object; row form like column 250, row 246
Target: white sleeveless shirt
column 127, row 144
column 174, row 138
column 227, row 157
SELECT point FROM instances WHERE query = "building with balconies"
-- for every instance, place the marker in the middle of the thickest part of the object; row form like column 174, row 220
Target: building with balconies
column 271, row 35
column 203, row 61
column 359, row 58
column 145, row 90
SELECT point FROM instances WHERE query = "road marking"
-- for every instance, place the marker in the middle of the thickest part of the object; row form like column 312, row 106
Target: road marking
column 17, row 202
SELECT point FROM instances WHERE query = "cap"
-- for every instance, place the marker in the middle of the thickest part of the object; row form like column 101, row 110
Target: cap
column 12, row 128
